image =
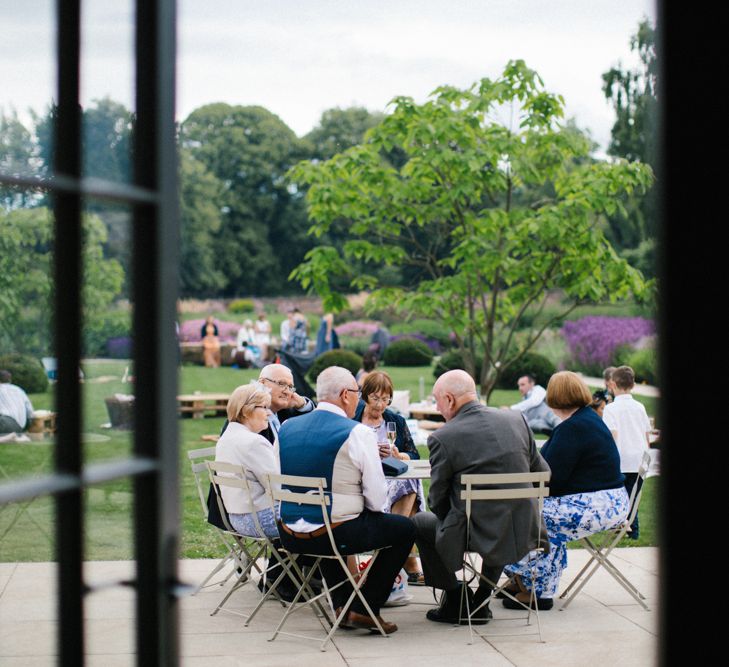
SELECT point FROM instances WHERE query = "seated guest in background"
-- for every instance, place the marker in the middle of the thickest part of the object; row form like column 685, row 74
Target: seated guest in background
column 209, row 320
column 263, row 335
column 600, row 399
column 474, row 440
column 328, row 443
column 607, row 376
column 211, row 348
column 586, row 492
column 16, row 410
column 536, row 412
column 369, row 363
column 285, row 402
column 243, row 445
column 404, row 496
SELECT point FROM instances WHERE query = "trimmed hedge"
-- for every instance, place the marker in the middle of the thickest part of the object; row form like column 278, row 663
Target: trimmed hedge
column 28, row 373
column 344, row 358
column 238, row 306
column 453, row 360
column 531, row 363
column 408, row 352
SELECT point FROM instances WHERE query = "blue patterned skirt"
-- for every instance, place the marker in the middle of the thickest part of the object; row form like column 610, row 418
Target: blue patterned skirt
column 245, row 525
column 569, row 518
column 397, row 488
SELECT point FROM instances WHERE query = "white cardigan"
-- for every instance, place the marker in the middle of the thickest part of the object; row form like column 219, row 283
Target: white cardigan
column 241, row 446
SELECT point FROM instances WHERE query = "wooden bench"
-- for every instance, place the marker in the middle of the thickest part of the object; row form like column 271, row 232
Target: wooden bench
column 199, row 404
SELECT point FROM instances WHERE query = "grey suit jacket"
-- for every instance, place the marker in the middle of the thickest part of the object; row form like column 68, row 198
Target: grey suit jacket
column 481, row 440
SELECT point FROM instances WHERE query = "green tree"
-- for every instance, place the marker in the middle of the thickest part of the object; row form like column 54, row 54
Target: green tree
column 249, row 150
column 18, row 157
column 495, row 215
column 26, row 281
column 200, row 221
column 633, row 94
column 339, row 129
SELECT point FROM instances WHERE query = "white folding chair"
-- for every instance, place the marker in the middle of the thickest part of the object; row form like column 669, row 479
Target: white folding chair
column 531, row 485
column 600, row 547
column 315, row 494
column 236, row 476
column 233, row 555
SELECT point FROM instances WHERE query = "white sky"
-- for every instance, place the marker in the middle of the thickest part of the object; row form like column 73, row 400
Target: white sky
column 300, row 57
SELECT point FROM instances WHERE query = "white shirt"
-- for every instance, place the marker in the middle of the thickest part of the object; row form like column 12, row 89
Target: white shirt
column 534, row 397
column 14, row 402
column 365, row 455
column 629, row 421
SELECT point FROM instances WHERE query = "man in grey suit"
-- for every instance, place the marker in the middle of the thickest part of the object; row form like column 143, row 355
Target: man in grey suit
column 474, row 440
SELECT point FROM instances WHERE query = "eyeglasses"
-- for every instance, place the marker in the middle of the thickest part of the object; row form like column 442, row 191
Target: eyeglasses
column 280, row 383
column 358, row 391
column 379, row 399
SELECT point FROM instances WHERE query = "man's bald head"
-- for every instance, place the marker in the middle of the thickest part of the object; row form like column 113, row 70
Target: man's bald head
column 452, row 391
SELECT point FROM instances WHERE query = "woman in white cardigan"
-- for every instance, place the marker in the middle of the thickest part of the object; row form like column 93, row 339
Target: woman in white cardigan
column 241, row 444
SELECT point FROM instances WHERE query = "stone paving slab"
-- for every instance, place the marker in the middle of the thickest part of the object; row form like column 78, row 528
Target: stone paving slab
column 602, row 626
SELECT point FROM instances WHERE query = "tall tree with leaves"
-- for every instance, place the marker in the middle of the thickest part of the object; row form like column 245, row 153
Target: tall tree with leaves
column 495, row 215
column 633, row 94
column 18, row 157
column 249, row 150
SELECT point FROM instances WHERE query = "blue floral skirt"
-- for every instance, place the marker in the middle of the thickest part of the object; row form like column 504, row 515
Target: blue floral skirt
column 397, row 488
column 569, row 518
column 244, row 524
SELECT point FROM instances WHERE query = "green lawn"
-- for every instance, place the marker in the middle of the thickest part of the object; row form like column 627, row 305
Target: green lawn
column 26, row 531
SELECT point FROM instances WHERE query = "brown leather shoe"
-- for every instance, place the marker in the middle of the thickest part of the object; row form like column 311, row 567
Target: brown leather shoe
column 355, row 620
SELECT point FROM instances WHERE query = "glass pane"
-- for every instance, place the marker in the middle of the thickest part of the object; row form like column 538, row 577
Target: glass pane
column 28, row 76
column 107, row 88
column 108, row 374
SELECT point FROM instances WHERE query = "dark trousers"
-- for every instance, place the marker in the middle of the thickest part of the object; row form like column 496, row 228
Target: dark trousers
column 9, row 425
column 370, row 530
column 630, row 480
column 436, row 573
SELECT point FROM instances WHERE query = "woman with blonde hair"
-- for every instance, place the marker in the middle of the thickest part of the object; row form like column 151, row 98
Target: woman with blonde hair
column 586, row 492
column 242, row 444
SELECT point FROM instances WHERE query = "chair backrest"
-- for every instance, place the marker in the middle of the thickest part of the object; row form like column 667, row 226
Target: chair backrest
column 636, row 493
column 198, row 459
column 314, row 495
column 504, row 490
column 233, row 476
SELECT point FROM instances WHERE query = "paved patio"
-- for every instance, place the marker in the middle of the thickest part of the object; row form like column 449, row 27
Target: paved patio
column 602, row 626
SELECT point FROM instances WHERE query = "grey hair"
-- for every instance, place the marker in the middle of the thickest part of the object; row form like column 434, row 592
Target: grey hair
column 331, row 381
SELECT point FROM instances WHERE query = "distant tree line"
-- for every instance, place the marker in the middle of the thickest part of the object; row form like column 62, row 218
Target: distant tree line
column 244, row 224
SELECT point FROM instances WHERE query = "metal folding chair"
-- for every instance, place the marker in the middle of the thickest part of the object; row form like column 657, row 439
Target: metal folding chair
column 316, row 495
column 600, row 547
column 236, row 476
column 505, row 490
column 233, row 555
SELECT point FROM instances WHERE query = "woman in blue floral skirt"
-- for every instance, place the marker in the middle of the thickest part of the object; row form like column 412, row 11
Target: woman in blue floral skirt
column 586, row 492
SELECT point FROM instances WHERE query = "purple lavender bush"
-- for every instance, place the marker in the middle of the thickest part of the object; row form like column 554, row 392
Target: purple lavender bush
column 357, row 329
column 432, row 343
column 593, row 340
column 119, row 347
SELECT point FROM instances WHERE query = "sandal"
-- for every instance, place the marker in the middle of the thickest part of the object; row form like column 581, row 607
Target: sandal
column 416, row 579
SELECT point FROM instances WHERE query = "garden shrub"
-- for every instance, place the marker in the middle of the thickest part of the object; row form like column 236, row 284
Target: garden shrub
column 644, row 362
column 430, row 329
column 355, row 344
column 344, row 358
column 593, row 340
column 119, row 347
column 238, row 306
column 28, row 372
column 530, row 364
column 454, row 360
column 99, row 329
column 408, row 352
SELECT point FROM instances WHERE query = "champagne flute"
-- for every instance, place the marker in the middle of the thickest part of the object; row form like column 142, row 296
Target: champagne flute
column 391, row 435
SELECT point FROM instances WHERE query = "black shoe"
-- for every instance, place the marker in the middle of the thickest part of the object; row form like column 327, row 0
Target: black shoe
column 286, row 592
column 543, row 604
column 452, row 611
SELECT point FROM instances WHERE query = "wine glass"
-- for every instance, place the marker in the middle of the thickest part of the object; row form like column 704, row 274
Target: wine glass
column 391, row 435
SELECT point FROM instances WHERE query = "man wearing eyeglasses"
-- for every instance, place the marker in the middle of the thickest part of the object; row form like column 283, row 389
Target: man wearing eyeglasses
column 328, row 443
